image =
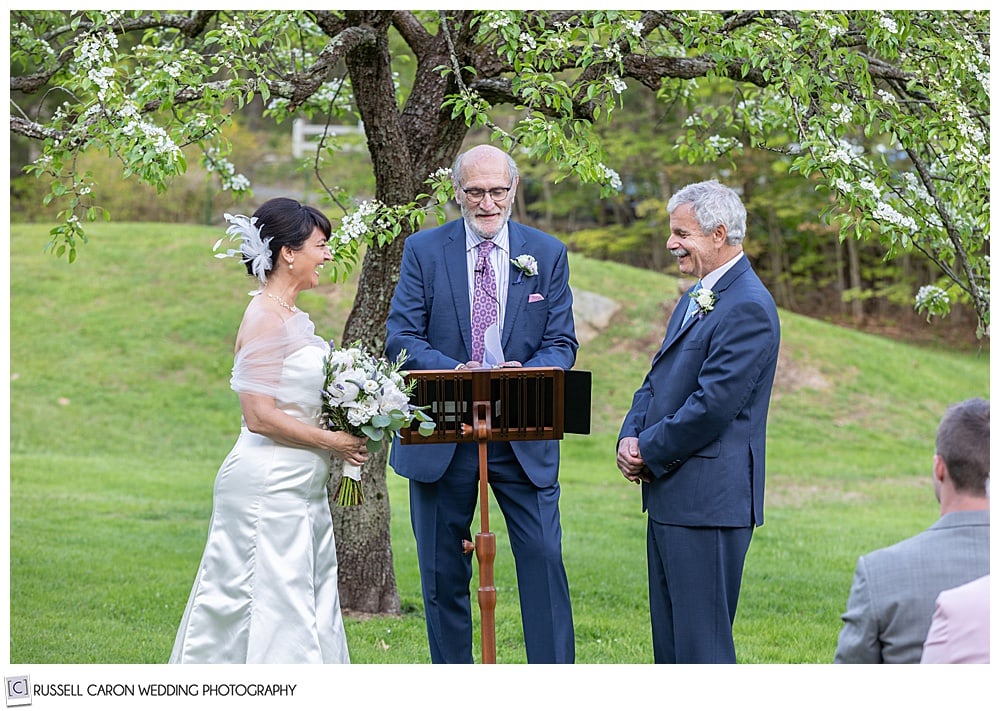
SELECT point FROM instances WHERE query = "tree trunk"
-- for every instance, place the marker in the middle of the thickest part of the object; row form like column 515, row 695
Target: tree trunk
column 405, row 148
column 841, row 285
column 658, row 252
column 547, row 201
column 364, row 548
column 776, row 262
column 854, row 267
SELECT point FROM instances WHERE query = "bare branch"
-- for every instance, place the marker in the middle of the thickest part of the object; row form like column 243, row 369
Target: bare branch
column 412, row 30
column 30, row 129
column 652, row 70
column 306, row 83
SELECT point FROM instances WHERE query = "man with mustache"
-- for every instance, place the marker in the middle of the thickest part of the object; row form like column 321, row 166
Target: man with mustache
column 457, row 281
column 694, row 437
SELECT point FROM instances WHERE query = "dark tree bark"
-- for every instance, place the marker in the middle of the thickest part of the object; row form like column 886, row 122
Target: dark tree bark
column 405, row 147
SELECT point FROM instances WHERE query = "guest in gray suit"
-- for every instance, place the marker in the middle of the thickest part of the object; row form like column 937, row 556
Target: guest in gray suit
column 891, row 603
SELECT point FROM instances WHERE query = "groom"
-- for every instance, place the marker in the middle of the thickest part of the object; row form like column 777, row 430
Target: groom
column 458, row 283
column 695, row 434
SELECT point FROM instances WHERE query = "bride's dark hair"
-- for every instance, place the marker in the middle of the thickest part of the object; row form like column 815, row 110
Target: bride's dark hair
column 288, row 223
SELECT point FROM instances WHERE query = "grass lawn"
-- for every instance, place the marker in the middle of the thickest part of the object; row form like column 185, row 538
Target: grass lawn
column 120, row 413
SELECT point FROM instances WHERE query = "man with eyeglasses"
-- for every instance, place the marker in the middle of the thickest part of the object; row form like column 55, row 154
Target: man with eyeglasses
column 483, row 291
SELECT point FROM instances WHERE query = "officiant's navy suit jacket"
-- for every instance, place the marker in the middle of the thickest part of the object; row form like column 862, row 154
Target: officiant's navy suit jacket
column 701, row 411
column 430, row 318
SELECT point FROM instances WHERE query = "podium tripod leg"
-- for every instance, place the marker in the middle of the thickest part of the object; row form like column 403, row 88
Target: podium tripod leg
column 486, row 549
column 485, row 552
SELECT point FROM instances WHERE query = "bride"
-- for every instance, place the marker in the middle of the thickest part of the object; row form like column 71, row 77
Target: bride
column 266, row 588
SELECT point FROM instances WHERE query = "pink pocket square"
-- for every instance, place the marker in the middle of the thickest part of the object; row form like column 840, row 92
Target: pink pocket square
column 532, row 298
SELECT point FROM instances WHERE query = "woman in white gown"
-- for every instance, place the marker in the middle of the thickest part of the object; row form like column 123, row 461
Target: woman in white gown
column 266, row 588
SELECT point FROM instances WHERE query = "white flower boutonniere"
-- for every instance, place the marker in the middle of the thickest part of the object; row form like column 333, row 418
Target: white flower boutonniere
column 527, row 265
column 704, row 300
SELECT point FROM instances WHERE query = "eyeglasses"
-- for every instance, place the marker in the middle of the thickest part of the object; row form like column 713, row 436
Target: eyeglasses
column 477, row 194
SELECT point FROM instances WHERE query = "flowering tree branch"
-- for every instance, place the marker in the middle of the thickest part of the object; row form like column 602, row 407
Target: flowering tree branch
column 890, row 109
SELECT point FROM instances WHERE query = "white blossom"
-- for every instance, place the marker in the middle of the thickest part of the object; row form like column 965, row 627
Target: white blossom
column 236, row 182
column 618, row 84
column 886, row 213
column 721, row 144
column 932, row 299
column 354, row 227
column 844, row 153
column 526, row 264
column 842, row 113
column 612, row 177
column 888, row 23
column 871, row 187
column 634, row 26
column 231, row 31
column 496, row 20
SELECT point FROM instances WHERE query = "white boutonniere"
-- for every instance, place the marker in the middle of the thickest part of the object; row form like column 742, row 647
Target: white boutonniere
column 527, row 265
column 704, row 300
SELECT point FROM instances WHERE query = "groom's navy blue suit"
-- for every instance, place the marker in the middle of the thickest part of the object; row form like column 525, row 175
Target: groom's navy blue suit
column 700, row 418
column 430, row 319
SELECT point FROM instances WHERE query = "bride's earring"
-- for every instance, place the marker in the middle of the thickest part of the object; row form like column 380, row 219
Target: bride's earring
column 290, row 266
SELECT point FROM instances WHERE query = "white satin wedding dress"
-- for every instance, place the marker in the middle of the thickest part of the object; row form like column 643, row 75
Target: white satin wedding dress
column 266, row 588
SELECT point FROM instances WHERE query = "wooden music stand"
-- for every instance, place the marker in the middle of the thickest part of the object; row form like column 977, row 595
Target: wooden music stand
column 501, row 404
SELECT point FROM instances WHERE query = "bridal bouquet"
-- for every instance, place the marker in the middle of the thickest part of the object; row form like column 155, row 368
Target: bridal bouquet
column 366, row 397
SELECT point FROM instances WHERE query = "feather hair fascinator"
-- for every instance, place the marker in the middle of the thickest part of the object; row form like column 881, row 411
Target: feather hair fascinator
column 253, row 249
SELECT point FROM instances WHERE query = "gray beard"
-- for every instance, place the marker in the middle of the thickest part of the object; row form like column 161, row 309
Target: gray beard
column 469, row 217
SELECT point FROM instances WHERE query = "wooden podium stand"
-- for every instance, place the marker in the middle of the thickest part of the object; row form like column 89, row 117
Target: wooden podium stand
column 502, row 404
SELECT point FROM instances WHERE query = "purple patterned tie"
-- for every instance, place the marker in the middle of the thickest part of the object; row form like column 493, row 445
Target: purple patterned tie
column 484, row 301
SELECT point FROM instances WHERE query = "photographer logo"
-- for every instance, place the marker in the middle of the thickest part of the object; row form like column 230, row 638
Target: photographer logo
column 18, row 690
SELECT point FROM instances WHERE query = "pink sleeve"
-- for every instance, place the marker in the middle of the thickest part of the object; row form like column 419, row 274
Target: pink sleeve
column 936, row 644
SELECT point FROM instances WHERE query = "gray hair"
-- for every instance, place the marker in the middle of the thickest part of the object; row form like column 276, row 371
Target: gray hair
column 714, row 204
column 456, row 169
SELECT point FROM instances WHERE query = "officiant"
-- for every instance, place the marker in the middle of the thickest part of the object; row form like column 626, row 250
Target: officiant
column 484, row 291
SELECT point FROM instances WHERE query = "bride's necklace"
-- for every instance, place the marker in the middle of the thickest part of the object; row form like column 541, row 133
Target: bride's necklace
column 293, row 309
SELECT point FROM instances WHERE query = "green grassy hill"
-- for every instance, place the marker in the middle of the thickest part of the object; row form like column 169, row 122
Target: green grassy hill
column 120, row 413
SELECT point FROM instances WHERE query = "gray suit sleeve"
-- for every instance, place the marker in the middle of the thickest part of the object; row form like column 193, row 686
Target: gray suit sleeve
column 859, row 641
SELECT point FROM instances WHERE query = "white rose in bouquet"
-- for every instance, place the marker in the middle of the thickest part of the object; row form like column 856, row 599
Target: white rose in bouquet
column 367, row 397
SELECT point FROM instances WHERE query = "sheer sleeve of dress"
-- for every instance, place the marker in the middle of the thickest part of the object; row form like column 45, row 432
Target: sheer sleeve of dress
column 267, row 342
